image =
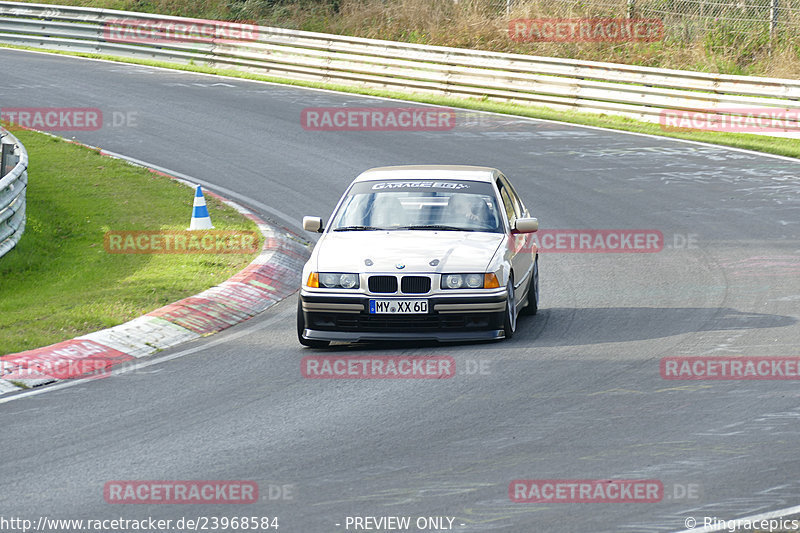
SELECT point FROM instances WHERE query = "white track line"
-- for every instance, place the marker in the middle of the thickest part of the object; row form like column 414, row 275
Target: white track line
column 247, row 330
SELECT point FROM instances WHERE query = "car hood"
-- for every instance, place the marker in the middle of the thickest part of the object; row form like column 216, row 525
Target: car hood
column 457, row 251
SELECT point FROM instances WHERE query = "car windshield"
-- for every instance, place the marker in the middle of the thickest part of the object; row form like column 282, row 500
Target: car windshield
column 419, row 205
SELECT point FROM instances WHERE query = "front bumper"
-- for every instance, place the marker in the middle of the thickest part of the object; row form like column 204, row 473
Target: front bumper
column 338, row 317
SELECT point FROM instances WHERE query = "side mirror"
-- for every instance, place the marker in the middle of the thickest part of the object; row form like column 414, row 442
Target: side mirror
column 312, row 224
column 525, row 225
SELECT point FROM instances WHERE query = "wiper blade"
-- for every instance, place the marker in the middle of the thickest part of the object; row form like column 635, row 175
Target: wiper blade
column 438, row 226
column 356, row 228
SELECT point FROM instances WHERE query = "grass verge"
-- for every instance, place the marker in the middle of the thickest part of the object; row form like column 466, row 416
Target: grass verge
column 59, row 281
column 760, row 143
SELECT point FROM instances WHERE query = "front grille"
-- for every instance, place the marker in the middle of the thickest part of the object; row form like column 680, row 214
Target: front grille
column 382, row 284
column 415, row 284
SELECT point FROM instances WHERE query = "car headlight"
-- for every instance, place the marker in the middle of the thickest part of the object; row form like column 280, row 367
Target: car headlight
column 333, row 280
column 469, row 281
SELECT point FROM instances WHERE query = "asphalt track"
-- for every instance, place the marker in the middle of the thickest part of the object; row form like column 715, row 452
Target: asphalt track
column 576, row 394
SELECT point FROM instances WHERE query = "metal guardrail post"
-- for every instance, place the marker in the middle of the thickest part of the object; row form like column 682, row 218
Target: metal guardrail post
column 13, row 186
column 7, row 159
column 773, row 19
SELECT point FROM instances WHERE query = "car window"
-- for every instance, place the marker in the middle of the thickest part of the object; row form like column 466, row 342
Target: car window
column 419, row 205
column 513, row 197
column 509, row 205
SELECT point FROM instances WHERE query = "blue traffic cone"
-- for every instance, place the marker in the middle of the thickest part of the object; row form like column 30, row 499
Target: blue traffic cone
column 200, row 218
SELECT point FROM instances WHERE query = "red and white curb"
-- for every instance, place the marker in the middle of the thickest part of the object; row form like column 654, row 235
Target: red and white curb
column 272, row 276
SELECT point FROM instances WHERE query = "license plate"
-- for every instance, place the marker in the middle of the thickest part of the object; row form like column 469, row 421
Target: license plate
column 398, row 307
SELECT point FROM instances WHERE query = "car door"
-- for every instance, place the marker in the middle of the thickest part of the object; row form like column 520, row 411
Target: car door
column 519, row 243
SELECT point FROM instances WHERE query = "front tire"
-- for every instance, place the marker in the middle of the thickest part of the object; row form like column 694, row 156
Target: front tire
column 533, row 292
column 301, row 325
column 510, row 323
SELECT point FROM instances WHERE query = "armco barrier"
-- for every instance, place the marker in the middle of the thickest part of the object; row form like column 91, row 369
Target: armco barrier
column 12, row 192
column 644, row 93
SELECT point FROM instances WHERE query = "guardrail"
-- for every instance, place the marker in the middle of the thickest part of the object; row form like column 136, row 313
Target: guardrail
column 644, row 93
column 13, row 185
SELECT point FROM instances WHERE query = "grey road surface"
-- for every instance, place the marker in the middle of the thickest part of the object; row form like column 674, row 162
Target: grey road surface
column 576, row 394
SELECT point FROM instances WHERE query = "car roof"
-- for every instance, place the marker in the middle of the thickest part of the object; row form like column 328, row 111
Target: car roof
column 438, row 172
